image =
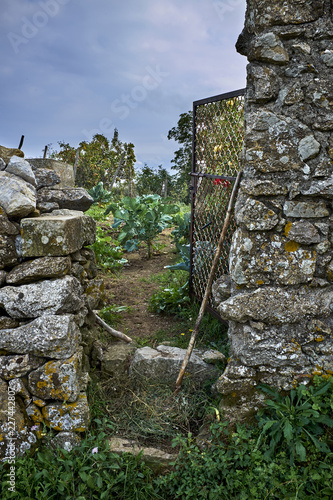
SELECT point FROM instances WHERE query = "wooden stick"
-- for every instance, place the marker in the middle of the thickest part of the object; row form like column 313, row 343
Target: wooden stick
column 108, row 328
column 209, row 284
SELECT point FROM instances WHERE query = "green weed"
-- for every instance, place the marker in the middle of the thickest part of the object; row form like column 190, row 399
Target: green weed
column 111, row 316
column 296, row 420
column 109, row 255
column 96, row 212
column 231, row 466
column 91, row 471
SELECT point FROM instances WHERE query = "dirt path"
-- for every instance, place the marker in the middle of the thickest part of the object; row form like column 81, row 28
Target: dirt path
column 132, row 287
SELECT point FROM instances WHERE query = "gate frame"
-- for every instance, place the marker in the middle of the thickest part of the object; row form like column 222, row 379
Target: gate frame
column 194, row 181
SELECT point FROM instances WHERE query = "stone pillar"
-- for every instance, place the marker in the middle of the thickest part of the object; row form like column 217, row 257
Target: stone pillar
column 281, row 267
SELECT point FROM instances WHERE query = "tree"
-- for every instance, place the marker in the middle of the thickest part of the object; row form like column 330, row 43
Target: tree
column 99, row 159
column 182, row 161
column 152, row 181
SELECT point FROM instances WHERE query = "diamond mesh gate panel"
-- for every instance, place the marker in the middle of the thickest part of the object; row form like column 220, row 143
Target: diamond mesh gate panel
column 218, row 133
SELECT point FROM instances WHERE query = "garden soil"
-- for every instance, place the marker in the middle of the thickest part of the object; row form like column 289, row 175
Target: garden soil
column 132, row 287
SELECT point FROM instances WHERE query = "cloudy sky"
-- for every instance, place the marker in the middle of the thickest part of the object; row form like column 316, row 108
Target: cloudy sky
column 73, row 68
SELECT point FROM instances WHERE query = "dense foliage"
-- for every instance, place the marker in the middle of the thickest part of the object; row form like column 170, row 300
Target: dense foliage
column 232, row 467
column 154, row 181
column 173, row 297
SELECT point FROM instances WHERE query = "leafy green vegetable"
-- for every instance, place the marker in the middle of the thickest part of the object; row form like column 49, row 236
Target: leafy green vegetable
column 141, row 219
column 99, row 194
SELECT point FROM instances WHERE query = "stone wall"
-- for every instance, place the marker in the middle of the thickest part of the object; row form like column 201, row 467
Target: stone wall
column 281, row 267
column 48, row 286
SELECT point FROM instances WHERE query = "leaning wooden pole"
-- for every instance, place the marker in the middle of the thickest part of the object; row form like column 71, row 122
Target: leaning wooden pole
column 209, row 283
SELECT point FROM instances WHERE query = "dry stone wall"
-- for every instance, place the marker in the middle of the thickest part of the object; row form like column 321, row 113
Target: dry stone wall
column 279, row 304
column 48, row 286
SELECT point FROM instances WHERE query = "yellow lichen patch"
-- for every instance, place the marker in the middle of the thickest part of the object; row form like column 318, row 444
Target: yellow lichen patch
column 291, row 246
column 41, row 384
column 260, row 282
column 271, row 213
column 234, row 394
column 39, row 402
column 294, row 347
column 50, row 368
column 318, row 370
column 287, row 228
column 319, row 339
column 36, row 416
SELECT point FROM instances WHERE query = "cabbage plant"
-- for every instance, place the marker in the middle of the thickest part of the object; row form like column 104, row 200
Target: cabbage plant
column 141, row 219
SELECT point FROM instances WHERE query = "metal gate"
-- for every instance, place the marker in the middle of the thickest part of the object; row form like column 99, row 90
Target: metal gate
column 218, row 134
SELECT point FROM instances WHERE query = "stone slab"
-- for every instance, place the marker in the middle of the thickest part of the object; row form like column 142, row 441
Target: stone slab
column 257, row 259
column 159, row 461
column 38, row 269
column 63, row 170
column 57, row 379
column 50, row 336
column 163, row 364
column 56, row 235
column 58, row 296
column 21, row 168
column 70, row 198
column 18, row 365
column 17, row 197
column 278, row 305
